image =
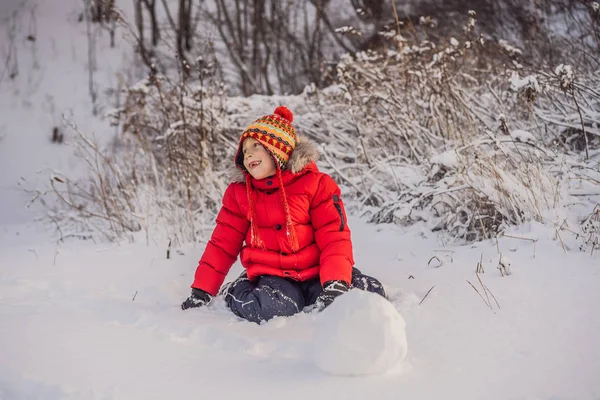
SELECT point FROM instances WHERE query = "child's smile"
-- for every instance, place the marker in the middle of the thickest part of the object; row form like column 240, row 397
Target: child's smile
column 253, row 164
column 257, row 160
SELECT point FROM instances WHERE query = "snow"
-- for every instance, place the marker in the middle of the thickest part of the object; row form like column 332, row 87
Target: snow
column 86, row 320
column 566, row 70
column 510, row 49
column 448, row 159
column 517, row 83
column 519, row 135
column 361, row 333
column 52, row 83
column 347, row 30
column 505, row 265
column 566, row 75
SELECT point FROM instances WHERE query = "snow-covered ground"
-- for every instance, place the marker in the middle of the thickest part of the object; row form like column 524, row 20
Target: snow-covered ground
column 85, row 320
column 51, row 81
column 92, row 321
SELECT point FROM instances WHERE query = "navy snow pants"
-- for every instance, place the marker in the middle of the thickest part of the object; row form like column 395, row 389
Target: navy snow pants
column 272, row 296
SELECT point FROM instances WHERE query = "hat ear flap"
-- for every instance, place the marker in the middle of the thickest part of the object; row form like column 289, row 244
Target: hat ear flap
column 239, row 160
column 277, row 160
column 239, row 155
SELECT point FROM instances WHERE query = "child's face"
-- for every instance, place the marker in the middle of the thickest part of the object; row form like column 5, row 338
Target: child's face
column 257, row 160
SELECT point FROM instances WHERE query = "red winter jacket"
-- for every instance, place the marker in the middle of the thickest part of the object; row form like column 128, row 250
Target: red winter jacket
column 318, row 216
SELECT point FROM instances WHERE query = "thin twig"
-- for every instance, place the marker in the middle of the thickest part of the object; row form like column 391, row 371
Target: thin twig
column 494, row 297
column 479, row 268
column 559, row 237
column 587, row 151
column 426, row 294
column 341, row 174
column 436, row 258
column 484, row 290
column 396, row 15
column 523, row 238
column 474, row 288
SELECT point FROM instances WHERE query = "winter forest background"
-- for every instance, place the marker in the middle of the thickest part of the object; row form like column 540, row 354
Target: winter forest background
column 465, row 136
column 470, row 116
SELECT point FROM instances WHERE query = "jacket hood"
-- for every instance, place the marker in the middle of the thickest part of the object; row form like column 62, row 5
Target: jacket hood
column 304, row 153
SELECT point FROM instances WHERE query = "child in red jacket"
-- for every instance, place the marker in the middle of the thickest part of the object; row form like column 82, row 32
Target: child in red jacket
column 286, row 220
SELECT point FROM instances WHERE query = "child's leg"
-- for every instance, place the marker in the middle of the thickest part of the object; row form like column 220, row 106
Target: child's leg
column 267, row 297
column 365, row 282
column 311, row 290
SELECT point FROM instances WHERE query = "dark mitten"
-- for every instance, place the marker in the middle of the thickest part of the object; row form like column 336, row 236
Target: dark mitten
column 198, row 298
column 331, row 290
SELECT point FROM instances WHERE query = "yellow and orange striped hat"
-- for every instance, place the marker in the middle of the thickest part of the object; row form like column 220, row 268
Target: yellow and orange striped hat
column 275, row 132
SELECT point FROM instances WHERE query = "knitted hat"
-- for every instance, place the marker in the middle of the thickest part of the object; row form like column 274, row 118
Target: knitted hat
column 275, row 132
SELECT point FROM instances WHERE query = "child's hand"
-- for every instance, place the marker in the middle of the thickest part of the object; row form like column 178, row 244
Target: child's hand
column 198, row 298
column 331, row 290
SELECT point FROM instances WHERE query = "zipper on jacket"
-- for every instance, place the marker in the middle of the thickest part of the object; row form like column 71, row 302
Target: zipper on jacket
column 338, row 207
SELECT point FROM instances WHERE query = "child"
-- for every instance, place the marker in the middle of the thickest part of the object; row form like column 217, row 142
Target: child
column 287, row 220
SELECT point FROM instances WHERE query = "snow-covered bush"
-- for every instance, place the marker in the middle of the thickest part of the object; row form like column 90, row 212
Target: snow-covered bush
column 442, row 132
column 168, row 169
column 591, row 231
column 179, row 124
column 454, row 132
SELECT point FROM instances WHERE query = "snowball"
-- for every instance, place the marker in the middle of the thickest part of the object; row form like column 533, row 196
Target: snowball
column 361, row 333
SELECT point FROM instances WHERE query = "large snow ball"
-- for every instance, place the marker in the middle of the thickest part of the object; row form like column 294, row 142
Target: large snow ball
column 360, row 333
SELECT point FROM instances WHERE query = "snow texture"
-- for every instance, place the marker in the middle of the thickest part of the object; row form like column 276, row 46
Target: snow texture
column 517, row 83
column 448, row 159
column 522, row 136
column 361, row 333
column 566, row 76
column 510, row 49
column 96, row 321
